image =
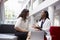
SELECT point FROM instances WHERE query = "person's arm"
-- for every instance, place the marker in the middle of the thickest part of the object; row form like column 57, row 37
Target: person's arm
column 29, row 35
column 36, row 27
column 46, row 27
column 20, row 29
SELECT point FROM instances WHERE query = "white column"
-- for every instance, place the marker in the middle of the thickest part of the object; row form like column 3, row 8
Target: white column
column 31, row 4
column 32, row 18
column 31, row 11
column 0, row 1
column 51, row 14
column 31, row 7
column 2, row 11
column 0, row 14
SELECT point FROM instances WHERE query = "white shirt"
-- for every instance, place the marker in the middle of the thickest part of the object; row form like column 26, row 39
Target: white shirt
column 21, row 23
column 46, row 26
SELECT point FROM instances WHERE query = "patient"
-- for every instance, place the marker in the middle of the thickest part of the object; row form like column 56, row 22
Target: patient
column 21, row 25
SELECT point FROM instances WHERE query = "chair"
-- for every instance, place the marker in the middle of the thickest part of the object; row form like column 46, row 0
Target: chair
column 55, row 32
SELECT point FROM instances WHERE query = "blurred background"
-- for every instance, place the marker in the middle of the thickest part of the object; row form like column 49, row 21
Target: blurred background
column 10, row 9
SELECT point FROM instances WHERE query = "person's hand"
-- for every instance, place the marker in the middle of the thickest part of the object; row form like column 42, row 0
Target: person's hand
column 28, row 37
column 37, row 30
column 33, row 25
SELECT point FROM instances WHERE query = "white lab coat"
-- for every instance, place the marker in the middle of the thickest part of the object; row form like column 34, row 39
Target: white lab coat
column 46, row 27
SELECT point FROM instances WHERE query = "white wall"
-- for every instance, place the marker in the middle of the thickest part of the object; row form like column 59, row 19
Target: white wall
column 56, row 21
column 57, row 18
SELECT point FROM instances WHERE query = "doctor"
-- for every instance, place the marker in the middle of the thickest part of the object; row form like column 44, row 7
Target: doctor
column 44, row 24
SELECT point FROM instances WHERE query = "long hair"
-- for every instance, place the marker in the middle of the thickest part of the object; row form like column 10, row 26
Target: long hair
column 24, row 14
column 47, row 14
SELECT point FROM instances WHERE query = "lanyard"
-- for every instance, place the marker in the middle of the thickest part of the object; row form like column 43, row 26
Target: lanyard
column 42, row 23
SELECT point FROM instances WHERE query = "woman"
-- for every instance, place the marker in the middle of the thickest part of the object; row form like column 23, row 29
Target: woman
column 44, row 24
column 21, row 25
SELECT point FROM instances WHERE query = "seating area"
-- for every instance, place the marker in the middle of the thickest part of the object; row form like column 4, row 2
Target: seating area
column 7, row 37
column 55, row 32
column 9, row 30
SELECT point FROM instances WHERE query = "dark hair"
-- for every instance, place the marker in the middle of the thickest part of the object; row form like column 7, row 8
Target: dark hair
column 24, row 14
column 47, row 14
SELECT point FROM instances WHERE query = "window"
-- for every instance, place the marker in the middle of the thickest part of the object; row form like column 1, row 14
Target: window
column 12, row 10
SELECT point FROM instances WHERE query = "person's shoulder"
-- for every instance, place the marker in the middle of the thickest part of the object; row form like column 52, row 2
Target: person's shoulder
column 48, row 20
column 20, row 18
